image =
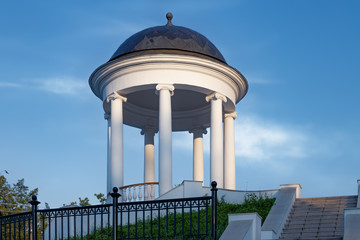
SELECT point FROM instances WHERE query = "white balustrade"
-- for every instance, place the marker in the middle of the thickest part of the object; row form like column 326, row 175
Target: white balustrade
column 124, row 195
column 152, row 193
column 134, row 192
column 129, row 195
column 140, row 192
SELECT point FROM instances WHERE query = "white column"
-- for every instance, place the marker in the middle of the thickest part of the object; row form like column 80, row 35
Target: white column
column 216, row 138
column 107, row 117
column 116, row 140
column 198, row 153
column 165, row 137
column 149, row 158
column 229, row 151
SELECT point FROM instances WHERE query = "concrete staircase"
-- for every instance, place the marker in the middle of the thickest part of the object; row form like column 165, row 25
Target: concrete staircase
column 317, row 218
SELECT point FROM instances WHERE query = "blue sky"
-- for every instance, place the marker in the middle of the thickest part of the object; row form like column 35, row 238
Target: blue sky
column 299, row 122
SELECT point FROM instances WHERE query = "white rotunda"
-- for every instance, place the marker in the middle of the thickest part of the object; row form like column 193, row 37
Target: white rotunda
column 164, row 79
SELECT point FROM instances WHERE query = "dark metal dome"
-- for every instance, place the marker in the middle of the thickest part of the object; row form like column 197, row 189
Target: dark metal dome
column 169, row 37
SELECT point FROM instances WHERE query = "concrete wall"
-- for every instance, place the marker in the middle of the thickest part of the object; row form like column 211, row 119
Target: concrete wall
column 243, row 226
column 195, row 189
column 279, row 213
column 352, row 224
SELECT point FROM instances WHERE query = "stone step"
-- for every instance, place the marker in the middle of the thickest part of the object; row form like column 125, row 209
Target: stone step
column 317, row 218
column 313, row 225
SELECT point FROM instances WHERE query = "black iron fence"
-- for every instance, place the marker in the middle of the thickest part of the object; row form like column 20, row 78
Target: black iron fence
column 186, row 218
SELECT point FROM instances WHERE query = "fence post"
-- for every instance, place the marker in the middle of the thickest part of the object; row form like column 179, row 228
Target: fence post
column 213, row 210
column 34, row 202
column 115, row 195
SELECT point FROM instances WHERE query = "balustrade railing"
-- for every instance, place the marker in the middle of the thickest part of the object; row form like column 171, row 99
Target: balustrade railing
column 186, row 218
column 138, row 192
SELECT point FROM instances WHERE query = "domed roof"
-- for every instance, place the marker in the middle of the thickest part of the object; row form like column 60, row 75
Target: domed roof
column 169, row 37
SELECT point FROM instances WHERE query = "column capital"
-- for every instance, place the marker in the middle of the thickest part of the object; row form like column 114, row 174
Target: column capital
column 168, row 87
column 232, row 115
column 198, row 131
column 107, row 116
column 215, row 96
column 148, row 129
column 115, row 95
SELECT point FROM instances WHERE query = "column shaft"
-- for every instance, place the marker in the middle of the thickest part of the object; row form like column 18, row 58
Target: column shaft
column 198, row 164
column 229, row 152
column 108, row 181
column 149, row 160
column 116, row 141
column 216, row 139
column 149, row 157
column 165, row 138
column 198, row 154
column 216, row 143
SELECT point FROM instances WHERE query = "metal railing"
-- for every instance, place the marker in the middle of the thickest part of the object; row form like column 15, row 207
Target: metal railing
column 185, row 218
column 136, row 192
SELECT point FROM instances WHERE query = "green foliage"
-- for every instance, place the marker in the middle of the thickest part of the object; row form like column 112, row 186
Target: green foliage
column 15, row 198
column 183, row 224
column 174, row 226
column 70, row 204
column 170, row 227
column 84, row 202
column 101, row 197
column 252, row 203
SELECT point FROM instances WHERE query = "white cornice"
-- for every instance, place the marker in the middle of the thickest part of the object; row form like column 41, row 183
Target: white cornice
column 121, row 67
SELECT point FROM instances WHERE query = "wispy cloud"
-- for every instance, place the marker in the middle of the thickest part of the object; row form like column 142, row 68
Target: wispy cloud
column 9, row 85
column 263, row 80
column 258, row 141
column 56, row 85
column 259, row 80
column 62, row 86
column 116, row 28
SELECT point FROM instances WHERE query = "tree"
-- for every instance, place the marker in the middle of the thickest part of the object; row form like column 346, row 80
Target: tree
column 101, row 197
column 15, row 198
column 71, row 204
column 84, row 202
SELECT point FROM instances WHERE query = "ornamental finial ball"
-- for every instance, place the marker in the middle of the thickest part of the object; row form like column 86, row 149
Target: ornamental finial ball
column 34, row 197
column 214, row 184
column 115, row 189
column 169, row 17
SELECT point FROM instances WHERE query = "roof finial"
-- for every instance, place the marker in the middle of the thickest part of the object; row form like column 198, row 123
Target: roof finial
column 169, row 17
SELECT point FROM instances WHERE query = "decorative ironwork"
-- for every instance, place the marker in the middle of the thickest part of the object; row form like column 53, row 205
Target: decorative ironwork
column 187, row 218
column 174, row 218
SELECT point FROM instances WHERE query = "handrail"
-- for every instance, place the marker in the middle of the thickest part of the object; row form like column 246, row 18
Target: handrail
column 139, row 184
